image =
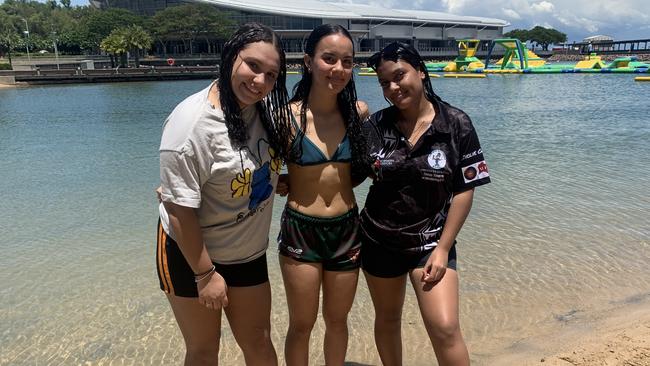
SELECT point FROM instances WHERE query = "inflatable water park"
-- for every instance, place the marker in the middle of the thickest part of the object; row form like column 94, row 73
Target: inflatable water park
column 518, row 59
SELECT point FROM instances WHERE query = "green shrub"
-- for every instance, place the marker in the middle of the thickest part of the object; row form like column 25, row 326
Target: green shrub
column 5, row 67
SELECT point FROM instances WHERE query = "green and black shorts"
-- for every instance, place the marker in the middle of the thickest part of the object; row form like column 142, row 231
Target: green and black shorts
column 332, row 241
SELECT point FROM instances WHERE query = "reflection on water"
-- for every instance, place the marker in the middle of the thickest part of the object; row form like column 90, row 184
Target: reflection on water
column 562, row 230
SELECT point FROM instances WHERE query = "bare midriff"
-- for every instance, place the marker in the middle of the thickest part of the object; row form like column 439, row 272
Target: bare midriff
column 323, row 190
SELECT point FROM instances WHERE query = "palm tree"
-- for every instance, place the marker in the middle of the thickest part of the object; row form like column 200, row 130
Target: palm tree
column 115, row 45
column 137, row 39
column 122, row 40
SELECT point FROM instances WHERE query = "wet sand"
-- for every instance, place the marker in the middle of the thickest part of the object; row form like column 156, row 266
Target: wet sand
column 619, row 336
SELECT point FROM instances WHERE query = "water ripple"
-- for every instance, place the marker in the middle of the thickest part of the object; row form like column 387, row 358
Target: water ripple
column 561, row 231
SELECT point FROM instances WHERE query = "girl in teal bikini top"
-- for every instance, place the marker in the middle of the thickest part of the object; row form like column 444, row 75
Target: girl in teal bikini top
column 307, row 153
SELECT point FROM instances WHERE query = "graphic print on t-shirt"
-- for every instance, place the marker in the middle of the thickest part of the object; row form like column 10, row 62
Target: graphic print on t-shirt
column 437, row 159
column 256, row 184
column 241, row 184
column 262, row 187
column 478, row 170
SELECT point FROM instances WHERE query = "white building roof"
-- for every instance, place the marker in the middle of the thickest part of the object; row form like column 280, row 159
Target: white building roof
column 598, row 38
column 332, row 10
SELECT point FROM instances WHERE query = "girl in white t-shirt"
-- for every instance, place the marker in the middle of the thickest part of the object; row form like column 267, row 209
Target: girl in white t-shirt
column 219, row 166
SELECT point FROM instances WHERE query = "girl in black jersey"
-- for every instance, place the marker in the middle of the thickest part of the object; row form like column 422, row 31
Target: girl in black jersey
column 427, row 161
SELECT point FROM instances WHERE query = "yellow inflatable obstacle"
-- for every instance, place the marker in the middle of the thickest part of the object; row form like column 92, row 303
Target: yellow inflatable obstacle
column 466, row 60
column 503, row 71
column 591, row 62
column 533, row 60
column 642, row 78
column 468, row 76
column 375, row 74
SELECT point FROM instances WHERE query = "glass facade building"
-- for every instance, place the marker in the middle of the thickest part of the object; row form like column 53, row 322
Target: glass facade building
column 371, row 27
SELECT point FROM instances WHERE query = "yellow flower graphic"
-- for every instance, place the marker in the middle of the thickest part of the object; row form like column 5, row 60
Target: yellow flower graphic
column 241, row 185
column 276, row 162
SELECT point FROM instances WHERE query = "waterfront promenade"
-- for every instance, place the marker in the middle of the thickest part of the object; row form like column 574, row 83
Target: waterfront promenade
column 76, row 76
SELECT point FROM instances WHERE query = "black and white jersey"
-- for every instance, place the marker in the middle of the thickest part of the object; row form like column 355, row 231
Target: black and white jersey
column 412, row 188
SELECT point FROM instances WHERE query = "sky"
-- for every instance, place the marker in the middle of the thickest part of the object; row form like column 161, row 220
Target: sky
column 621, row 19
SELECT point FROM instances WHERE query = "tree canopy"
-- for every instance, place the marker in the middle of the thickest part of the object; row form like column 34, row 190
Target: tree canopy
column 99, row 24
column 544, row 37
column 188, row 23
column 81, row 29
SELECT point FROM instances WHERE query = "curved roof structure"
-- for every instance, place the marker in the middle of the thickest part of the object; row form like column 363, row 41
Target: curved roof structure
column 598, row 38
column 332, row 10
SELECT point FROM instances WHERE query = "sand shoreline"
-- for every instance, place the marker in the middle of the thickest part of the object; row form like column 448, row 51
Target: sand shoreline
column 616, row 336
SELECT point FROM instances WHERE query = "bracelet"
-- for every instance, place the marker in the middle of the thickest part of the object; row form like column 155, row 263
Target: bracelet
column 202, row 276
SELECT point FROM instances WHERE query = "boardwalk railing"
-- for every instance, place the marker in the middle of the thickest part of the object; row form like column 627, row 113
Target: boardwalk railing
column 49, row 76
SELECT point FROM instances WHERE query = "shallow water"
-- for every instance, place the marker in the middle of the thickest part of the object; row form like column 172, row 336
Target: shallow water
column 561, row 232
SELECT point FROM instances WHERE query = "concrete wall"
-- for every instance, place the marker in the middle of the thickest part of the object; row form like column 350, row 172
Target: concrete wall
column 458, row 33
column 487, row 34
column 392, row 31
column 7, row 80
column 341, row 22
column 428, row 32
column 431, row 32
column 358, row 27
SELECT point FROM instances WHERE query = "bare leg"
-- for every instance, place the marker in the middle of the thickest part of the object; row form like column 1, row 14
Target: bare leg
column 201, row 328
column 249, row 315
column 302, row 285
column 338, row 294
column 439, row 309
column 388, row 298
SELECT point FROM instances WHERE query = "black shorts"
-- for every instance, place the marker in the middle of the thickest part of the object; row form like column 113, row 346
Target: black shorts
column 177, row 278
column 332, row 241
column 381, row 261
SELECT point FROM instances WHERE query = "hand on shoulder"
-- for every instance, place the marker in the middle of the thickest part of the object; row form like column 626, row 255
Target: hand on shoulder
column 362, row 108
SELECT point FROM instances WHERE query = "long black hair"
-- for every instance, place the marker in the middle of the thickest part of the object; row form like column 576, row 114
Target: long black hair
column 273, row 109
column 403, row 51
column 346, row 101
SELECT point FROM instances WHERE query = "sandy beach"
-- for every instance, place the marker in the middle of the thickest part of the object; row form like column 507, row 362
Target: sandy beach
column 619, row 336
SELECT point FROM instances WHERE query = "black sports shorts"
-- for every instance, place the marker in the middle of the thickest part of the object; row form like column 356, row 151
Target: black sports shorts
column 177, row 278
column 381, row 261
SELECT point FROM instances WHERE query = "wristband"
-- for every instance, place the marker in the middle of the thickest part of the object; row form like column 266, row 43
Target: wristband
column 202, row 276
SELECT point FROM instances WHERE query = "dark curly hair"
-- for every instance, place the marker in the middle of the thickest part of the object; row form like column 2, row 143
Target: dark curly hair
column 273, row 109
column 402, row 51
column 346, row 102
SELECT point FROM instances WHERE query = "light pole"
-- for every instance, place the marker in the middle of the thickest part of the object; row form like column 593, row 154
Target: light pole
column 56, row 50
column 29, row 59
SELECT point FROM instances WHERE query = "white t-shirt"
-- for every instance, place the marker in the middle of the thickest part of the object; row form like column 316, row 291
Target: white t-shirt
column 231, row 189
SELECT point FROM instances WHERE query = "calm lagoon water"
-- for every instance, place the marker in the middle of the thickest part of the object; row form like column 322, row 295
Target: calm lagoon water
column 562, row 231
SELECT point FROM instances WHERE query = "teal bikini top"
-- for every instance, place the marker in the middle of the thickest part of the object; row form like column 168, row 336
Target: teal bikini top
column 307, row 153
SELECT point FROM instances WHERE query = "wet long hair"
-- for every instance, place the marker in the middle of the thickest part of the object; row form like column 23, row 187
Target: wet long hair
column 346, row 101
column 273, row 109
column 396, row 51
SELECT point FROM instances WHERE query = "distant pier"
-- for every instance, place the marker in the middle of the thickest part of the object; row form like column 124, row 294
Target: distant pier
column 632, row 47
column 75, row 76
